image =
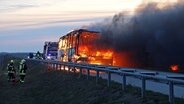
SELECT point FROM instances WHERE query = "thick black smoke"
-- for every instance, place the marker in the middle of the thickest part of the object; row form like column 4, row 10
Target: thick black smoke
column 154, row 34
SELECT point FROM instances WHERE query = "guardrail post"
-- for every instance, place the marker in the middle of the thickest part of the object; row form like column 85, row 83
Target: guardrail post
column 64, row 67
column 171, row 92
column 97, row 76
column 68, row 68
column 109, row 79
column 56, row 66
column 47, row 66
column 143, row 87
column 124, row 82
column 88, row 74
column 60, row 67
column 52, row 66
column 74, row 69
column 80, row 72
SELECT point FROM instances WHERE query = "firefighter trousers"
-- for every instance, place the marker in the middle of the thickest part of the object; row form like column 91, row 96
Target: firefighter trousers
column 11, row 76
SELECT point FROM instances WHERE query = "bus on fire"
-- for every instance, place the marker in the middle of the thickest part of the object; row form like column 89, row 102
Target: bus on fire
column 81, row 46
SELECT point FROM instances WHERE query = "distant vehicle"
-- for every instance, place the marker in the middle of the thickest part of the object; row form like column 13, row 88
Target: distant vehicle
column 81, row 46
column 31, row 55
column 50, row 50
column 37, row 55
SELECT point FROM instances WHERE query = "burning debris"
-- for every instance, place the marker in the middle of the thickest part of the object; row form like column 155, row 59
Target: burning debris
column 152, row 37
column 174, row 67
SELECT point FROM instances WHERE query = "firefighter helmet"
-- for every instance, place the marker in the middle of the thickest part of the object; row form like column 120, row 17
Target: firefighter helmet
column 23, row 60
column 11, row 61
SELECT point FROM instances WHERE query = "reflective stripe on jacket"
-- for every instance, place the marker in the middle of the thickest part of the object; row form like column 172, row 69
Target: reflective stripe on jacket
column 22, row 73
column 22, row 69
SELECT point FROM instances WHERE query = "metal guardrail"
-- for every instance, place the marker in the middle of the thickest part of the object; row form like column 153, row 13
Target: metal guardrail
column 124, row 72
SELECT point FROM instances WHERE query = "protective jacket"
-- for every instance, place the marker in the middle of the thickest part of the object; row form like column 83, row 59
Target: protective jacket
column 11, row 68
column 22, row 69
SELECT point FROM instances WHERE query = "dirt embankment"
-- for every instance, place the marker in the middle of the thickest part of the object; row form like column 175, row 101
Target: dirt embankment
column 57, row 87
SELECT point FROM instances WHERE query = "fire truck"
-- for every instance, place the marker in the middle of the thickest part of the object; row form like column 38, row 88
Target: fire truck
column 82, row 46
column 50, row 50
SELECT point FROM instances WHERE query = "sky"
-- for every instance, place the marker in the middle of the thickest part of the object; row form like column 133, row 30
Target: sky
column 26, row 24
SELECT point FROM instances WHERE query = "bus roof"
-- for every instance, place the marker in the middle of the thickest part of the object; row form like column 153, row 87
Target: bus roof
column 79, row 30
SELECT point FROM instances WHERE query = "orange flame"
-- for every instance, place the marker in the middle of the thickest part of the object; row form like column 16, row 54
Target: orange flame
column 96, row 56
column 83, row 51
column 174, row 67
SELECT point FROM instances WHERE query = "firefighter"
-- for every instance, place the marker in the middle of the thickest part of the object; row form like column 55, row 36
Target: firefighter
column 22, row 70
column 11, row 71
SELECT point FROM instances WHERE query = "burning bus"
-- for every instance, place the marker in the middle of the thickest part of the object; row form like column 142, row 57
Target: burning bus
column 81, row 46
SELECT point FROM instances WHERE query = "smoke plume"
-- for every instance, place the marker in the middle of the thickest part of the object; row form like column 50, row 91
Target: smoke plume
column 154, row 34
